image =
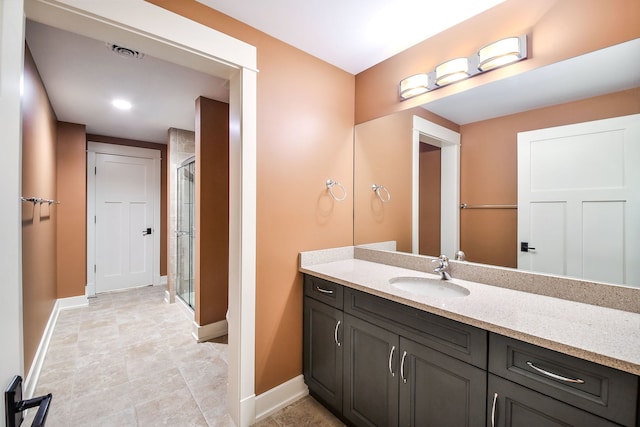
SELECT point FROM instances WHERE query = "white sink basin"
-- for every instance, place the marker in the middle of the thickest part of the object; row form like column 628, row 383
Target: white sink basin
column 429, row 287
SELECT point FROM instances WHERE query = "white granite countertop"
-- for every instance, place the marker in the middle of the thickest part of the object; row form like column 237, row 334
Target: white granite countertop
column 603, row 335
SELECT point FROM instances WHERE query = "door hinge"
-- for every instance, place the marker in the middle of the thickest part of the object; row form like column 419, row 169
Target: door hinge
column 95, row 170
column 95, row 219
column 94, row 268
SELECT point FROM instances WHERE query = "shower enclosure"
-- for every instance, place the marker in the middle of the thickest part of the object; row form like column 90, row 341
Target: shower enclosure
column 185, row 231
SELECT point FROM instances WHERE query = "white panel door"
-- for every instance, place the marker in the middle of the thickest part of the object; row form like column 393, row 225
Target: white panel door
column 579, row 200
column 124, row 222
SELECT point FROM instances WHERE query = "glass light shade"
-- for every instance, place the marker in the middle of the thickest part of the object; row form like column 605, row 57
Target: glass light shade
column 502, row 52
column 452, row 71
column 414, row 86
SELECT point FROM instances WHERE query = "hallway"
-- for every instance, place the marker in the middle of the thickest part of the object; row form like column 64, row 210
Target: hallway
column 128, row 359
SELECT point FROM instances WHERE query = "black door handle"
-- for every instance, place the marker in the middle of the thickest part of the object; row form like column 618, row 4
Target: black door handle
column 147, row 231
column 524, row 247
column 14, row 405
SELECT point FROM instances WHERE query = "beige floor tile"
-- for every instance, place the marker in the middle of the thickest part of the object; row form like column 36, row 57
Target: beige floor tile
column 129, row 359
column 100, row 403
column 178, row 409
column 158, row 385
column 305, row 412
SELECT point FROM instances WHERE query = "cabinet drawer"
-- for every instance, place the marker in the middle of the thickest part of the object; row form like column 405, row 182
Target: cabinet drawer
column 464, row 342
column 598, row 389
column 512, row 405
column 323, row 290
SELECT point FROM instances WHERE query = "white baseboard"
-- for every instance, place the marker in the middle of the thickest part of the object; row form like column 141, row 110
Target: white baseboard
column 210, row 331
column 279, row 397
column 72, row 302
column 247, row 412
column 167, row 297
column 38, row 360
column 90, row 290
column 163, row 280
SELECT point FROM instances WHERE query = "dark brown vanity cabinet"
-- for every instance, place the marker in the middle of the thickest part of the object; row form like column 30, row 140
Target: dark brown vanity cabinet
column 530, row 385
column 399, row 366
column 375, row 362
column 370, row 378
column 323, row 341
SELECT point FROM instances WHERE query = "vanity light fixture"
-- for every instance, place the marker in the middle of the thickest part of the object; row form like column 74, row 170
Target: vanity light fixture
column 494, row 55
column 502, row 52
column 414, row 85
column 452, row 71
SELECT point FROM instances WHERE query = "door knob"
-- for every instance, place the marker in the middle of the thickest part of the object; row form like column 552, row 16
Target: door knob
column 147, row 231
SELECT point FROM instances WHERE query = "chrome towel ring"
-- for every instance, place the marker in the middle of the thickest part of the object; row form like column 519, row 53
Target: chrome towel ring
column 331, row 184
column 382, row 192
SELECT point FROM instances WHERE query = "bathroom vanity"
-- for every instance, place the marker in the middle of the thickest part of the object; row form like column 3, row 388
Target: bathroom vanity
column 376, row 354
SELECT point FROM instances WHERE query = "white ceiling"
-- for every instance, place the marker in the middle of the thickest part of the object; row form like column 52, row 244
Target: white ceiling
column 83, row 75
column 352, row 34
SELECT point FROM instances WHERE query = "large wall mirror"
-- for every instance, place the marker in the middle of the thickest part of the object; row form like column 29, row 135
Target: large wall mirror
column 599, row 85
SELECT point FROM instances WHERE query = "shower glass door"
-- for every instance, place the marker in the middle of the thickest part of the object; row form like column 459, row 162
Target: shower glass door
column 186, row 232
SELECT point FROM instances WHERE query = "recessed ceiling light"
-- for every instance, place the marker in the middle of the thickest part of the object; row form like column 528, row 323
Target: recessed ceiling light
column 121, row 104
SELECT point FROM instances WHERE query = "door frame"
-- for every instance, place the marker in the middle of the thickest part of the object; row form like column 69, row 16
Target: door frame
column 175, row 38
column 94, row 148
column 449, row 143
column 11, row 69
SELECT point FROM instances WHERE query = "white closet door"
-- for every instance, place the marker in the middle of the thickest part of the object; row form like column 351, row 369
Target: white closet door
column 579, row 200
column 124, row 215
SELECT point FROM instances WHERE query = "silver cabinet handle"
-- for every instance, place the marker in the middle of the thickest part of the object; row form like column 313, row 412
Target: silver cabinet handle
column 556, row 376
column 324, row 291
column 335, row 334
column 393, row 349
column 404, row 356
column 493, row 410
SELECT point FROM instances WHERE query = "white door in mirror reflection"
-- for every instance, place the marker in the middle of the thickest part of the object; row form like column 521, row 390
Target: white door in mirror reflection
column 579, row 200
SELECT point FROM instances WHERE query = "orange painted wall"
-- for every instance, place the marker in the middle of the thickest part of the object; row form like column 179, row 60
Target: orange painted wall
column 71, row 169
column 429, row 200
column 488, row 173
column 304, row 136
column 557, row 30
column 383, row 155
column 212, row 211
column 38, row 220
column 163, row 185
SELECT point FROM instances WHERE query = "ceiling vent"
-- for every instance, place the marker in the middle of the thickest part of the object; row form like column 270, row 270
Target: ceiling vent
column 125, row 51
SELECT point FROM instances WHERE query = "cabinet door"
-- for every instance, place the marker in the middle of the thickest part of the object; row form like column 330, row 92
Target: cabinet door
column 438, row 390
column 323, row 352
column 370, row 374
column 513, row 405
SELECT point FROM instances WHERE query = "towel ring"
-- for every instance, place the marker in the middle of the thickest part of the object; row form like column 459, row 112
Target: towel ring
column 382, row 192
column 331, row 184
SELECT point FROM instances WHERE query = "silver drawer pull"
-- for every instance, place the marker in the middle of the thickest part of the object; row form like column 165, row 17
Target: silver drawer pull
column 493, row 410
column 556, row 376
column 404, row 356
column 324, row 291
column 393, row 374
column 335, row 334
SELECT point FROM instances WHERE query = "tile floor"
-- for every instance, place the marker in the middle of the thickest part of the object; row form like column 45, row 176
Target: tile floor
column 128, row 359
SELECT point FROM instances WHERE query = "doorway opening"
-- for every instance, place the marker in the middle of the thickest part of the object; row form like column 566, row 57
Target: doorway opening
column 448, row 141
column 171, row 37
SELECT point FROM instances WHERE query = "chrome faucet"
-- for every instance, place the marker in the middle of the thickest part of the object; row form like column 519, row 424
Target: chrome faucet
column 443, row 268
